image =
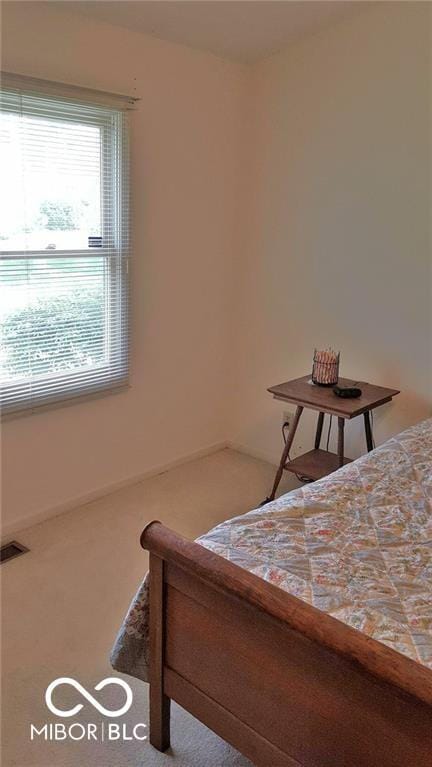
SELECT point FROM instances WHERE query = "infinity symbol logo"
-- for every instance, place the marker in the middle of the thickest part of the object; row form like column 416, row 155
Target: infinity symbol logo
column 73, row 683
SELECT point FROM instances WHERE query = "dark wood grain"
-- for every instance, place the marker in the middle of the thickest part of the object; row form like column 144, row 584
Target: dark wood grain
column 247, row 657
column 341, row 440
column 301, row 391
column 315, row 705
column 368, row 431
column 159, row 702
column 285, row 452
column 319, row 429
column 315, row 464
column 254, row 746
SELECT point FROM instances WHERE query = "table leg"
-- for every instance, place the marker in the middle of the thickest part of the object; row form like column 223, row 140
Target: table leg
column 368, row 431
column 341, row 425
column 283, row 460
column 319, row 431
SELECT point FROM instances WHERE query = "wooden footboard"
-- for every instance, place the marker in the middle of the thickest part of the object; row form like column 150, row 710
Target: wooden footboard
column 281, row 681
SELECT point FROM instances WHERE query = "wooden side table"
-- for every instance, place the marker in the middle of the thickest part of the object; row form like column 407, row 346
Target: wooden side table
column 302, row 392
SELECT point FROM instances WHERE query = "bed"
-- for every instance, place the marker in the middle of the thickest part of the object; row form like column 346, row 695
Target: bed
column 300, row 632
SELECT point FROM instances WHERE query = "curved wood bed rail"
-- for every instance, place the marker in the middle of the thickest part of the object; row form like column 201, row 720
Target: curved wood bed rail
column 373, row 656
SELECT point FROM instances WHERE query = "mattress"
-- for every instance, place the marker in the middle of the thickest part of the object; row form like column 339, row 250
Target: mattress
column 356, row 545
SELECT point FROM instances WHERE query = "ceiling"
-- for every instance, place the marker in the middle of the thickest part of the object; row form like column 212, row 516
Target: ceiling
column 242, row 30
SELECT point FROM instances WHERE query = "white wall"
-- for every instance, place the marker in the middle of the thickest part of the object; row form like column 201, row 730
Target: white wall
column 275, row 209
column 186, row 156
column 339, row 249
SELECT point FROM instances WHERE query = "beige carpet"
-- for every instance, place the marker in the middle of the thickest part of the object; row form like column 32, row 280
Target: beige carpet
column 64, row 601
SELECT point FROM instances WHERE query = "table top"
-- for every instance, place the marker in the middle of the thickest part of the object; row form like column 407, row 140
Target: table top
column 301, row 391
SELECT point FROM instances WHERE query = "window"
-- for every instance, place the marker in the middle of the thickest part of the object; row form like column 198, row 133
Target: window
column 63, row 248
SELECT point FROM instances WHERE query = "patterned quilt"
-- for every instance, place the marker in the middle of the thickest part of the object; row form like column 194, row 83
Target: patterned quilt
column 356, row 544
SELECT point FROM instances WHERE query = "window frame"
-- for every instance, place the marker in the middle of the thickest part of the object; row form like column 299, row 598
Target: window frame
column 111, row 375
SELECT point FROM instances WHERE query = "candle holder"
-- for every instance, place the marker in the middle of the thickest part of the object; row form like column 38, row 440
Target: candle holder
column 325, row 369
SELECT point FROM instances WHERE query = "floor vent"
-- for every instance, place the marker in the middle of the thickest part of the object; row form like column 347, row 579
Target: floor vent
column 11, row 550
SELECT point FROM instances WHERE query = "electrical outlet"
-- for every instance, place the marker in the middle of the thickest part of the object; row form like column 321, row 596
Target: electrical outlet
column 287, row 417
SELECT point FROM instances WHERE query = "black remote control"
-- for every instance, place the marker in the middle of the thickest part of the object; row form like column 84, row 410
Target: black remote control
column 347, row 392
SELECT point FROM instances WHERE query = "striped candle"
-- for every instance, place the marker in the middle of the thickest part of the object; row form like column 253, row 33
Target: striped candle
column 325, row 371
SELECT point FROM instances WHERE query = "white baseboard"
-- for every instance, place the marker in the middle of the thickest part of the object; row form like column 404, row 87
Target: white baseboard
column 12, row 529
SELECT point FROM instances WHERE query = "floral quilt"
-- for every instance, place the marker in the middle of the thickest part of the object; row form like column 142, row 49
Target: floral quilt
column 356, row 545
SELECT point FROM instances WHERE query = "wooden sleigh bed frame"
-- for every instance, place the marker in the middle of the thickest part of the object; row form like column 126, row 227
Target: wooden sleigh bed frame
column 284, row 683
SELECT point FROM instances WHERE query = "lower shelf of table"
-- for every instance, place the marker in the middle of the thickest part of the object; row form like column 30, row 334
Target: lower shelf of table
column 315, row 464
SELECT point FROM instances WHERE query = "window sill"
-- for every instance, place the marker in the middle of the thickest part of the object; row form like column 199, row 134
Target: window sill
column 77, row 400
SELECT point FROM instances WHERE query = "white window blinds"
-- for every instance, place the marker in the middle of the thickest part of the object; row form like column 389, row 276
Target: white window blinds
column 64, row 246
